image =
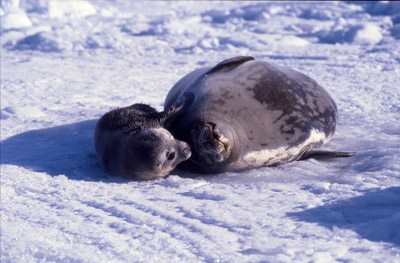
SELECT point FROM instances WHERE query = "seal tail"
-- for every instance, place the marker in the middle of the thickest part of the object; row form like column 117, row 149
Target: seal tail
column 321, row 154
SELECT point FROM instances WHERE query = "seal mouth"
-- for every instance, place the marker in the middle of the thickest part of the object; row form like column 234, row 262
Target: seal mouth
column 210, row 145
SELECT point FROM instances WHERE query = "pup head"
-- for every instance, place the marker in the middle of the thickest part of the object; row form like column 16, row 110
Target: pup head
column 152, row 153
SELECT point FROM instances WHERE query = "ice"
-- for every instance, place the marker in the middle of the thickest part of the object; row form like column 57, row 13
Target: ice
column 383, row 8
column 294, row 41
column 396, row 31
column 65, row 63
column 10, row 6
column 363, row 214
column 369, row 33
column 342, row 32
column 70, row 9
column 12, row 16
column 29, row 112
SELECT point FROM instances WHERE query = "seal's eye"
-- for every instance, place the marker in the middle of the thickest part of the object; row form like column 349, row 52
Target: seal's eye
column 170, row 156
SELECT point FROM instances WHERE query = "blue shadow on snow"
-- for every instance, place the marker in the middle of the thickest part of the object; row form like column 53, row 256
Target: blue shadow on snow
column 374, row 216
column 66, row 149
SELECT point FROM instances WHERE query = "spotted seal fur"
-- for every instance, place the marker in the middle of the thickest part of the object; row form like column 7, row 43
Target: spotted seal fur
column 247, row 113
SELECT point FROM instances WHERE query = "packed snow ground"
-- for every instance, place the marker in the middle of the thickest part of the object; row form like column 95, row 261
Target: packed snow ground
column 65, row 63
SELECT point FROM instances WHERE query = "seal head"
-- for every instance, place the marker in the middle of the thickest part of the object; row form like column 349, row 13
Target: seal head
column 132, row 142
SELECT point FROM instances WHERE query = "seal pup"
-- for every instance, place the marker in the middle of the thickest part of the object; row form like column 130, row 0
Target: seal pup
column 247, row 113
column 132, row 142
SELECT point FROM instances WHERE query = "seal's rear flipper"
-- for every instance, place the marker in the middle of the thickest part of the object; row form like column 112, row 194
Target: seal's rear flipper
column 320, row 154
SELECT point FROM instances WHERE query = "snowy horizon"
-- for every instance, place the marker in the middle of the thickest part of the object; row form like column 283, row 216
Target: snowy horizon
column 66, row 63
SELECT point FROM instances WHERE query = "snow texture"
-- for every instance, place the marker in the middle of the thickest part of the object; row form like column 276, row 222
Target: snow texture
column 65, row 63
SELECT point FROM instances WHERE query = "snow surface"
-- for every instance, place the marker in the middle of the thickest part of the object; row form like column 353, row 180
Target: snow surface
column 64, row 64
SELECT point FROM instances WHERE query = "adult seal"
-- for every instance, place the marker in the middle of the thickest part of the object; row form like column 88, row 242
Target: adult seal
column 245, row 113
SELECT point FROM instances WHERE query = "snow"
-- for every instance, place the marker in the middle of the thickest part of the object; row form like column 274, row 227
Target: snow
column 12, row 16
column 65, row 63
column 70, row 9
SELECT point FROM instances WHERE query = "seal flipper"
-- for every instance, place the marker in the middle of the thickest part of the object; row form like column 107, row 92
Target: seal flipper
column 229, row 64
column 178, row 108
column 321, row 154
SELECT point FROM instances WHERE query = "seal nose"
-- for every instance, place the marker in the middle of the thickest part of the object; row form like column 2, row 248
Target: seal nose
column 205, row 134
column 209, row 143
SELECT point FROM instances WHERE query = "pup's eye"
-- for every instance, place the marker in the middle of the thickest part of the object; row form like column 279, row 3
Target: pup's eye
column 170, row 156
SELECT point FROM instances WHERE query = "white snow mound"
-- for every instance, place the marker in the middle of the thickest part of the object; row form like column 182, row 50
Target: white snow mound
column 70, row 9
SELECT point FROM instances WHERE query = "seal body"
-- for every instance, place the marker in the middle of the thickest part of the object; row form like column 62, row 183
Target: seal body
column 247, row 113
column 132, row 142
